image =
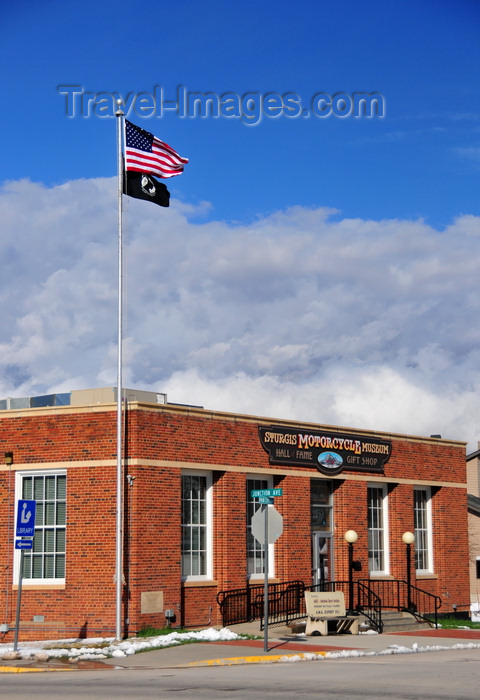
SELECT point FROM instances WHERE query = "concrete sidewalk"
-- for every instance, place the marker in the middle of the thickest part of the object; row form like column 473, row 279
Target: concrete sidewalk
column 282, row 644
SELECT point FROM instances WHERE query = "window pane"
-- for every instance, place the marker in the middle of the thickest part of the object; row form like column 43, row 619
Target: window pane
column 423, row 555
column 376, row 530
column 320, row 518
column 184, row 510
column 47, row 557
column 202, row 563
column 39, row 516
column 60, row 541
column 195, row 513
column 194, row 525
column 49, row 564
column 27, row 567
column 186, row 540
column 50, row 487
column 195, row 565
column 49, row 513
column 27, row 491
column 38, row 488
column 61, row 508
column 60, row 566
column 49, row 540
column 61, row 487
column 320, row 492
column 37, row 566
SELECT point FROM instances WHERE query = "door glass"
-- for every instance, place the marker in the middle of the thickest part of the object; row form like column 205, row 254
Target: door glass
column 321, row 509
column 322, row 526
column 322, row 564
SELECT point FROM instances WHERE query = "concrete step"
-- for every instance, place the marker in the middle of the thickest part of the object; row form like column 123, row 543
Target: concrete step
column 393, row 621
column 398, row 621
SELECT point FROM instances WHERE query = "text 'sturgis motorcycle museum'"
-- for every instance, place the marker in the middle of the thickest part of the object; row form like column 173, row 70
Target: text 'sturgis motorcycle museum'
column 189, row 557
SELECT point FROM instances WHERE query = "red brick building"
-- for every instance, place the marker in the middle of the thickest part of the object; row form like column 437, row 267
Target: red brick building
column 188, row 477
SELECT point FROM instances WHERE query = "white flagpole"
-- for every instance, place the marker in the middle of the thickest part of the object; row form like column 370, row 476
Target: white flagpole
column 119, row 529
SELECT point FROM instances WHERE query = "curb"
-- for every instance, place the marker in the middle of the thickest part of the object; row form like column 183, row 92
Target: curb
column 24, row 669
column 232, row 661
column 19, row 669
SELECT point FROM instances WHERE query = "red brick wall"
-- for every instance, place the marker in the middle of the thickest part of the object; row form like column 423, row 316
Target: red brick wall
column 153, row 537
column 293, row 558
column 153, row 514
column 229, row 530
column 450, row 525
column 350, row 508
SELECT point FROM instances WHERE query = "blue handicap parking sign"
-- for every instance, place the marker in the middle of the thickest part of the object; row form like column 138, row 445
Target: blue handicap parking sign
column 26, row 518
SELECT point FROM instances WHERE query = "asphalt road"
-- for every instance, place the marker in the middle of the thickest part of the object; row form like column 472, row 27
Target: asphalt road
column 449, row 675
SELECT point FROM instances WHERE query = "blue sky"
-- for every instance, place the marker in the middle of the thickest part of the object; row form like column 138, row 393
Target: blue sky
column 420, row 160
column 320, row 268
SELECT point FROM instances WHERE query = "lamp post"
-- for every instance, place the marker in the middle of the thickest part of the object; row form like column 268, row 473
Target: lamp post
column 351, row 537
column 408, row 538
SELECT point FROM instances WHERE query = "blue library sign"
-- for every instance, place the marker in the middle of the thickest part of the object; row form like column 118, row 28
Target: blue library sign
column 26, row 518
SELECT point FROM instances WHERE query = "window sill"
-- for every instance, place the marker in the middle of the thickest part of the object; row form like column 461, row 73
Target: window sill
column 198, row 583
column 426, row 577
column 260, row 578
column 40, row 586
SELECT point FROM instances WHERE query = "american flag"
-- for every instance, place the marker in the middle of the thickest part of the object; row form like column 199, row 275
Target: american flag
column 144, row 153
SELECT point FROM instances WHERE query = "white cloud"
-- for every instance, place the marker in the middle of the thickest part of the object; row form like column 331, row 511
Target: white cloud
column 301, row 314
column 472, row 153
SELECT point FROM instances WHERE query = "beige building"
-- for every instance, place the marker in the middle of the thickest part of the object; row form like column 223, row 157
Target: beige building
column 473, row 489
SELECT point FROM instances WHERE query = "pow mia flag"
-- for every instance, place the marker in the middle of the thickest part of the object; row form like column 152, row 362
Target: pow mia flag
column 143, row 186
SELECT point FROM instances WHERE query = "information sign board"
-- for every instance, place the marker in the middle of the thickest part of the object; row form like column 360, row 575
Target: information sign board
column 26, row 518
column 325, row 603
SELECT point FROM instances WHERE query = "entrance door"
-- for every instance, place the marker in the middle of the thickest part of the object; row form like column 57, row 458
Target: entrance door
column 321, row 558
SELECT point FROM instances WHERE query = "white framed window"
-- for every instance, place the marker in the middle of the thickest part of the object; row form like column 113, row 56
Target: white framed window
column 378, row 553
column 196, row 525
column 255, row 549
column 45, row 562
column 422, row 507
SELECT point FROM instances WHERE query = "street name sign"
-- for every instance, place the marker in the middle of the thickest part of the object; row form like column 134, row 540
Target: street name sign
column 266, row 493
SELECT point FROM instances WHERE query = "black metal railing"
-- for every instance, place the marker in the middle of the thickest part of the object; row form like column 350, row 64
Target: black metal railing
column 370, row 605
column 236, row 605
column 286, row 601
column 399, row 595
column 246, row 604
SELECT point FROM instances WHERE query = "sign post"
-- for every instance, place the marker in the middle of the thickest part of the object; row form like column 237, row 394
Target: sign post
column 25, row 528
column 270, row 535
